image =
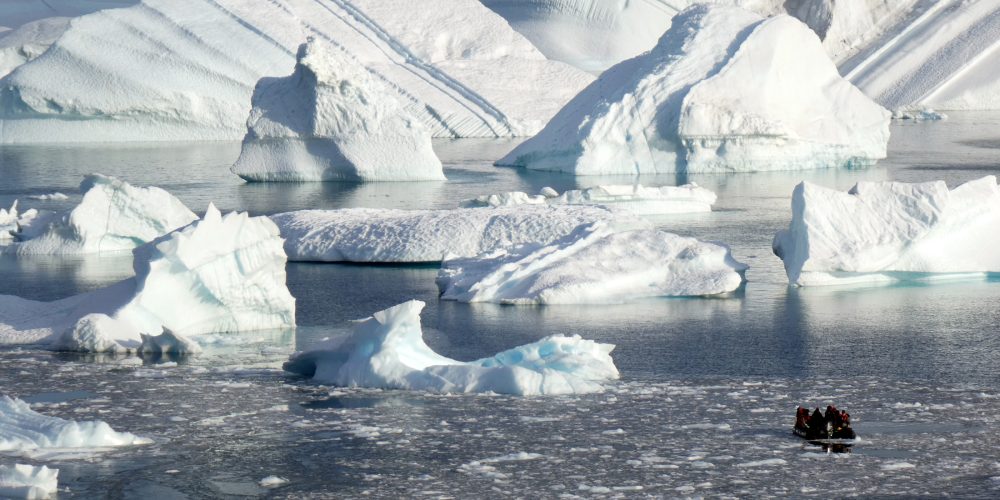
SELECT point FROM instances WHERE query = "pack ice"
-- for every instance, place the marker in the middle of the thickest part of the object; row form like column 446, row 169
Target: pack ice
column 333, row 120
column 218, row 274
column 387, row 351
column 385, row 235
column 723, row 90
column 186, row 69
column 635, row 198
column 25, row 431
column 594, row 265
column 113, row 216
column 28, row 482
column 883, row 232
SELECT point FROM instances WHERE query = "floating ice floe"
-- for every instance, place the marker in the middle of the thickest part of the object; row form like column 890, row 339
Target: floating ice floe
column 28, row 482
column 384, row 235
column 113, row 216
column 49, row 196
column 218, row 274
column 637, row 198
column 26, row 432
column 11, row 221
column 387, row 351
column 333, row 120
column 883, row 232
column 723, row 90
column 594, row 265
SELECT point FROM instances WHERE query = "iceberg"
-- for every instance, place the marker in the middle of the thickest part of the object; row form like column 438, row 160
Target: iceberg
column 886, row 232
column 28, row 482
column 27, row 432
column 387, row 351
column 333, row 120
column 218, row 274
column 638, row 199
column 386, row 235
column 723, row 90
column 11, row 221
column 594, row 265
column 113, row 216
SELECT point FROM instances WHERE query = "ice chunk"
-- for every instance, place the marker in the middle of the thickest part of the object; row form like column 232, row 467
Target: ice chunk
column 381, row 235
column 24, row 431
column 112, row 216
column 636, row 198
column 168, row 342
column 49, row 196
column 387, row 351
column 594, row 265
column 272, row 482
column 723, row 90
column 28, row 482
column 8, row 221
column 891, row 231
column 333, row 120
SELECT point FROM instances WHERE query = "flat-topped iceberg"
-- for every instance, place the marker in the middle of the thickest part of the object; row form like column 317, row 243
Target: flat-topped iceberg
column 883, row 232
column 723, row 90
column 387, row 351
column 218, row 274
column 594, row 265
column 333, row 120
column 385, row 235
column 25, row 431
column 28, row 482
column 113, row 216
column 636, row 198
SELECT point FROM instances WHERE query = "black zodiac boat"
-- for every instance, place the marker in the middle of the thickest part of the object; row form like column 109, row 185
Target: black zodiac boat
column 832, row 428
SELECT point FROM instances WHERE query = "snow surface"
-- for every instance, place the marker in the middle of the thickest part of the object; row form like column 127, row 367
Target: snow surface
column 28, row 482
column 883, row 232
column 723, row 90
column 387, row 351
column 113, row 216
column 634, row 198
column 386, row 235
column 594, row 265
column 186, row 69
column 25, row 431
column 333, row 120
column 218, row 274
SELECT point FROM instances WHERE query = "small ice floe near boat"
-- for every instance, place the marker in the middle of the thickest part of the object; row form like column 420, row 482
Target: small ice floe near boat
column 637, row 198
column 24, row 431
column 384, row 235
column 594, row 265
column 333, row 120
column 723, row 90
column 113, row 216
column 218, row 274
column 28, row 482
column 886, row 232
column 387, row 351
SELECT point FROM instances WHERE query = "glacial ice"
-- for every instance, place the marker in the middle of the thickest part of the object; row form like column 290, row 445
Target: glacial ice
column 112, row 216
column 723, row 90
column 637, row 198
column 884, row 232
column 387, row 351
column 11, row 220
column 218, row 274
column 26, row 432
column 594, row 265
column 384, row 235
column 333, row 120
column 28, row 482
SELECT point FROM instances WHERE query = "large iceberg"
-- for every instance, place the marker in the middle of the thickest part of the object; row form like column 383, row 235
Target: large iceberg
column 333, row 120
column 387, row 351
column 594, row 265
column 218, row 274
column 28, row 482
column 113, row 216
column 384, row 235
column 883, row 232
column 25, row 431
column 723, row 90
column 635, row 198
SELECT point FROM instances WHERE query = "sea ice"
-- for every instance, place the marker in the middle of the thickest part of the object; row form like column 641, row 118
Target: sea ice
column 333, row 120
column 11, row 220
column 891, row 231
column 112, row 216
column 28, row 482
column 594, row 265
column 637, row 198
column 49, row 196
column 723, row 90
column 383, row 235
column 24, row 431
column 387, row 351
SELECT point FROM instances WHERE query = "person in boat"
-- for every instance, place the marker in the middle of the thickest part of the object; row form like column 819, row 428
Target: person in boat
column 833, row 424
